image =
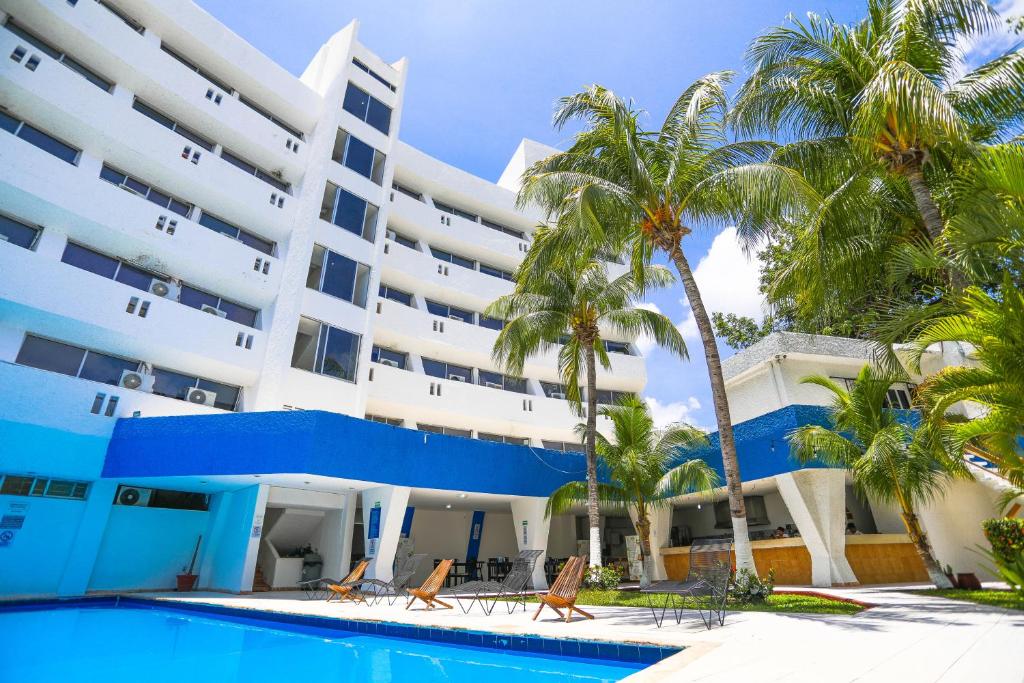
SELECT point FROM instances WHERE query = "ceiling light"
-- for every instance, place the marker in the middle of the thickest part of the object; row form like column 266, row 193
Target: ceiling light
column 448, row 506
column 306, row 483
column 462, row 495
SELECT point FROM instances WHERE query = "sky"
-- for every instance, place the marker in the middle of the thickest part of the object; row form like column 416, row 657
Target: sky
column 483, row 74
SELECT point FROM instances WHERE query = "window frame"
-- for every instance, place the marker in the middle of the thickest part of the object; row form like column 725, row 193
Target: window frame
column 332, row 219
column 358, row 300
column 321, row 340
column 21, row 125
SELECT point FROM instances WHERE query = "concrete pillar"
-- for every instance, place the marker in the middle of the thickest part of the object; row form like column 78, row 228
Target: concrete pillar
column 340, row 566
column 392, row 501
column 51, row 242
column 531, row 527
column 816, row 499
column 232, row 541
column 661, row 527
column 82, row 557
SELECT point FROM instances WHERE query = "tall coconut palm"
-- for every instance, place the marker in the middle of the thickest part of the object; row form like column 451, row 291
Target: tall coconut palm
column 888, row 458
column 880, row 105
column 574, row 307
column 646, row 469
column 622, row 189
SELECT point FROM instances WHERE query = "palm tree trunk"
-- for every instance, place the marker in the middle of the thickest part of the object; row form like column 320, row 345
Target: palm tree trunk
column 730, row 463
column 643, row 530
column 924, row 550
column 926, row 206
column 593, row 513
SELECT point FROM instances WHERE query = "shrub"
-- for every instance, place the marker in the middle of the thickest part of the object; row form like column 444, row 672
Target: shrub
column 749, row 588
column 1006, row 536
column 602, row 578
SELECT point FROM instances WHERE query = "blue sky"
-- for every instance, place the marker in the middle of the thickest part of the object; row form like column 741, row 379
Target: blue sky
column 484, row 74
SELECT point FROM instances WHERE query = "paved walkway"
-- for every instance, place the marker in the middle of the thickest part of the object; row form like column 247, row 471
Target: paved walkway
column 907, row 637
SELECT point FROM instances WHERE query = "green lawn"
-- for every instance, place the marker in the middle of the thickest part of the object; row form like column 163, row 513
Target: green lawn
column 993, row 598
column 782, row 604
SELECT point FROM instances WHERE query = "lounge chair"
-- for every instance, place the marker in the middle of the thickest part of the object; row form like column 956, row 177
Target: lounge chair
column 398, row 586
column 565, row 589
column 344, row 590
column 430, row 588
column 706, row 585
column 513, row 586
column 316, row 588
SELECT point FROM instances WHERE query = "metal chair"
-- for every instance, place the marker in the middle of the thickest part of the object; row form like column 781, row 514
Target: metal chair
column 513, row 586
column 706, row 584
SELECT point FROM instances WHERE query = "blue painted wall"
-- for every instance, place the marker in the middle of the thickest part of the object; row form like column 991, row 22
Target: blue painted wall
column 33, row 563
column 145, row 547
column 227, row 540
column 45, row 451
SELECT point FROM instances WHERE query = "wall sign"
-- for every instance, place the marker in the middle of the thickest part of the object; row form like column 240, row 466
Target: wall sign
column 373, row 530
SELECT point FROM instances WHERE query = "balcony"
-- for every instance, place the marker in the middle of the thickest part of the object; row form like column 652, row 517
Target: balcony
column 66, row 105
column 415, row 271
column 43, row 189
column 101, row 39
column 56, row 300
column 418, row 219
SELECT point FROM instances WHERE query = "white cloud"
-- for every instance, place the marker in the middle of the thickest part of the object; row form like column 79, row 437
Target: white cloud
column 666, row 413
column 984, row 48
column 645, row 343
column 728, row 281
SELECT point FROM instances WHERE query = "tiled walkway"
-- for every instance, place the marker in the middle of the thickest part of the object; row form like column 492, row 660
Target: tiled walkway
column 906, row 637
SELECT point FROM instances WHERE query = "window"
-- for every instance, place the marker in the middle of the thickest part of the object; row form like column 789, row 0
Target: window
column 192, row 67
column 491, row 323
column 273, row 119
column 362, row 67
column 447, row 257
column 169, row 123
column 496, row 380
column 177, row 385
column 395, row 359
column 352, row 152
column 757, row 513
column 393, row 421
column 197, row 298
column 617, row 347
column 899, row 396
column 137, row 496
column 400, row 239
column 254, row 170
column 498, row 438
column 367, row 108
column 18, row 233
column 607, row 397
column 43, row 141
column 407, row 192
column 132, row 23
column 208, row 220
column 449, row 431
column 496, row 272
column 136, row 186
column 455, row 211
column 501, row 228
column 338, row 276
column 52, row 488
column 74, row 361
column 555, row 390
column 564, row 446
column 446, row 311
column 439, row 368
column 89, row 75
column 109, row 267
column 325, row 350
column 398, row 295
column 349, row 212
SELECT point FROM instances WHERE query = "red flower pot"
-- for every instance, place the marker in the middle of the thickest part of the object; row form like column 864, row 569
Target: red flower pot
column 187, row 582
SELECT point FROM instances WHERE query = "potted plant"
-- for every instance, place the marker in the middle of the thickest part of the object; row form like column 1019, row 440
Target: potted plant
column 187, row 580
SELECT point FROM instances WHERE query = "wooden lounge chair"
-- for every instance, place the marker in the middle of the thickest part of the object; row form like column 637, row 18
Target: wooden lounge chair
column 343, row 591
column 563, row 592
column 430, row 588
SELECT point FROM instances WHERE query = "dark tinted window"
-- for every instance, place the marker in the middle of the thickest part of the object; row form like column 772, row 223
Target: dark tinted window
column 492, row 323
column 87, row 259
column 339, row 276
column 366, row 108
column 379, row 116
column 227, row 396
column 401, row 297
column 50, row 355
column 243, row 315
column 17, row 233
column 349, row 212
column 136, row 277
column 43, row 141
column 388, row 357
column 356, row 102
column 338, row 353
column 172, row 384
column 359, row 157
column 107, row 369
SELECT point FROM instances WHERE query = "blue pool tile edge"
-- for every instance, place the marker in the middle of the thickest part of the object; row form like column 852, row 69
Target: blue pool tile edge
column 630, row 653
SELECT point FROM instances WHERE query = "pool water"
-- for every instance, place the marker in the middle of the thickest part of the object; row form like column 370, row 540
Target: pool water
column 137, row 643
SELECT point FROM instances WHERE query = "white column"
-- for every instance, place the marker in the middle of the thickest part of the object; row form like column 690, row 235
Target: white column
column 232, row 539
column 661, row 526
column 392, row 501
column 816, row 499
column 348, row 525
column 531, row 527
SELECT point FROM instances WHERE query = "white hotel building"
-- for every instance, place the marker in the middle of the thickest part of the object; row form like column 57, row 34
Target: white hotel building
column 176, row 205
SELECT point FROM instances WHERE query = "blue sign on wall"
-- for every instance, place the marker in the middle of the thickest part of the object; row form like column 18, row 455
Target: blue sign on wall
column 407, row 521
column 476, row 531
column 373, row 530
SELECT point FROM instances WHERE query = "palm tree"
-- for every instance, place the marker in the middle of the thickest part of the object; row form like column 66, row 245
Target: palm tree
column 622, row 189
column 574, row 307
column 645, row 468
column 879, row 114
column 889, row 459
column 995, row 329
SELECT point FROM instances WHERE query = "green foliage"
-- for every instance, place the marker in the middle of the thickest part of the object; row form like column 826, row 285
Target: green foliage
column 779, row 603
column 602, row 578
column 748, row 588
column 991, row 598
column 1006, row 537
column 740, row 331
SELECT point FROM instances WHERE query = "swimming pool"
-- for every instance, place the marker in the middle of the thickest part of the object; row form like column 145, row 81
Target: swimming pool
column 129, row 639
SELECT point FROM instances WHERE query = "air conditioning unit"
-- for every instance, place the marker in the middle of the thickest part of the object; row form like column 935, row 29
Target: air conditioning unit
column 493, row 385
column 388, row 361
column 139, row 381
column 166, row 290
column 456, row 378
column 202, row 397
column 4, row 238
column 452, row 316
column 135, row 496
column 212, row 310
column 557, row 394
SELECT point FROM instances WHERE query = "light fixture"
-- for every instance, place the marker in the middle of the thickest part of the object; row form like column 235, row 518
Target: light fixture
column 698, row 506
column 448, row 506
column 462, row 495
column 255, row 476
column 204, row 482
column 306, row 483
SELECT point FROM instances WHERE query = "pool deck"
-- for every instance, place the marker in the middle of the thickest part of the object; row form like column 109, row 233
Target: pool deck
column 907, row 637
